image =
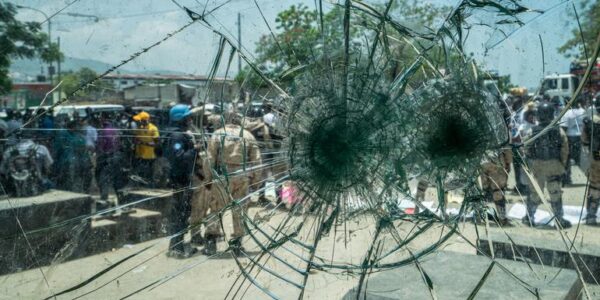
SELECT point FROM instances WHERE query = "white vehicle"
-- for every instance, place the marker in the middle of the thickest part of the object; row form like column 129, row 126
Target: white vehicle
column 561, row 85
column 81, row 110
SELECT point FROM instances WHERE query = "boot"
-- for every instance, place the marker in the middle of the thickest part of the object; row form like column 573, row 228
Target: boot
column 501, row 217
column 210, row 245
column 557, row 209
column 197, row 239
column 189, row 250
column 236, row 247
column 592, row 209
column 183, row 252
column 528, row 221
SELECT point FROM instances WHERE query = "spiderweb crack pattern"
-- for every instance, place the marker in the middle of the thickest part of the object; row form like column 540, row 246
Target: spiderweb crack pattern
column 361, row 117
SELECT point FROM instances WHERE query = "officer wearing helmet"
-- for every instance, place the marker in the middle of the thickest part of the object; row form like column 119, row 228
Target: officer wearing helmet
column 181, row 151
column 547, row 158
column 590, row 137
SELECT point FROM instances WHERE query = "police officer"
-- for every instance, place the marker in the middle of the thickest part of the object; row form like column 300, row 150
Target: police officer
column 494, row 178
column 590, row 137
column 547, row 158
column 181, row 152
column 232, row 151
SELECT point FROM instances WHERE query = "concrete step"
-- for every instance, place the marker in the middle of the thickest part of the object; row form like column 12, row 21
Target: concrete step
column 455, row 276
column 545, row 246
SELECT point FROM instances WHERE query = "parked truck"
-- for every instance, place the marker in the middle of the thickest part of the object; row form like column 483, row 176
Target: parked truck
column 564, row 85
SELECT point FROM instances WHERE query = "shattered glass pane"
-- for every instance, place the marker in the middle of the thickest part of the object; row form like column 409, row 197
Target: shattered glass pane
column 302, row 149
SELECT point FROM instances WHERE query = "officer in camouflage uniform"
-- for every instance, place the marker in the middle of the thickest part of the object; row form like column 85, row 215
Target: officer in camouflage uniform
column 547, row 158
column 494, row 178
column 590, row 137
column 232, row 151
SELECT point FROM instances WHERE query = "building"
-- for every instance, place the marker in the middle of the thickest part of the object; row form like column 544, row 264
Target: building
column 27, row 94
column 159, row 94
column 159, row 90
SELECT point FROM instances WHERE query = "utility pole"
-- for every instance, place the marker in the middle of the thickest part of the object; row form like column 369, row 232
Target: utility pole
column 50, row 64
column 239, row 24
column 58, row 69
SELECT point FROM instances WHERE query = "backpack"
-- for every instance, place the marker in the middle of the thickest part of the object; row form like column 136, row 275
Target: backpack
column 24, row 173
column 546, row 146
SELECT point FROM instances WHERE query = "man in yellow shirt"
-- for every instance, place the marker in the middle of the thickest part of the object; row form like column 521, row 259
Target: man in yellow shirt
column 146, row 140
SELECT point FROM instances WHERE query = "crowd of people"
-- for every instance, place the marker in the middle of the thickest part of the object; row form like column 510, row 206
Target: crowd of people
column 208, row 167
column 205, row 167
column 546, row 145
column 68, row 153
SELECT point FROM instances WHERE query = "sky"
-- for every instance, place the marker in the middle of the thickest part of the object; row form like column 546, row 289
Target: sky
column 125, row 27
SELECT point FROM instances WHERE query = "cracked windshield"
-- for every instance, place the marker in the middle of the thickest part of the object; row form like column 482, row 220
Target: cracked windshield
column 299, row 149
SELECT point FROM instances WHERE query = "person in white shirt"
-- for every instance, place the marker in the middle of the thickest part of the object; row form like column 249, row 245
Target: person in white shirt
column 524, row 131
column 91, row 135
column 269, row 117
column 525, row 128
column 572, row 123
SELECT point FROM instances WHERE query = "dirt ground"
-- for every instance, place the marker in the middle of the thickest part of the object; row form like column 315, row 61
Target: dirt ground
column 200, row 277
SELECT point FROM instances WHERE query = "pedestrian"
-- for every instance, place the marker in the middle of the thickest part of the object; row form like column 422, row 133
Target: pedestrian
column 181, row 152
column 531, row 106
column 277, row 167
column 3, row 135
column 572, row 122
column 108, row 162
column 73, row 168
column 47, row 127
column 523, row 133
column 201, row 187
column 547, row 158
column 200, row 196
column 146, row 140
column 494, row 179
column 26, row 166
column 47, row 119
column 127, row 127
column 590, row 137
column 13, row 123
column 232, row 152
column 269, row 117
column 90, row 133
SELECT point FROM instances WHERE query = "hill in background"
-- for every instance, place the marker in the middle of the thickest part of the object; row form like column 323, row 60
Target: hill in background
column 28, row 69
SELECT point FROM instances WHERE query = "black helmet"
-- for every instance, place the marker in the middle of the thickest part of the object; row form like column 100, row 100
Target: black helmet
column 545, row 112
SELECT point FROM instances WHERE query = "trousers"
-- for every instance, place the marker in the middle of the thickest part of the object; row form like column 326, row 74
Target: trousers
column 180, row 213
column 222, row 194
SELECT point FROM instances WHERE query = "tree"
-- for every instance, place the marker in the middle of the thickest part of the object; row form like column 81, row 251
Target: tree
column 51, row 53
column 299, row 39
column 22, row 40
column 590, row 27
column 72, row 81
